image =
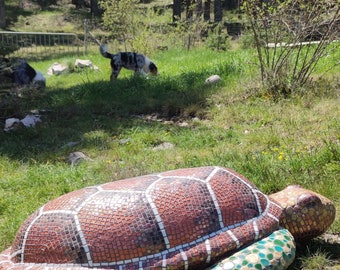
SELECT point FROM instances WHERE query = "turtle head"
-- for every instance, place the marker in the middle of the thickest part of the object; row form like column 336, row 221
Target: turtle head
column 305, row 214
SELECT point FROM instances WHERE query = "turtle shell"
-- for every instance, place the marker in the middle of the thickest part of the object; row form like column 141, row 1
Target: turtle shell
column 186, row 218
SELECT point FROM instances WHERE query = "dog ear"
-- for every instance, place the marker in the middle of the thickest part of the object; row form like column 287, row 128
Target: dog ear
column 153, row 68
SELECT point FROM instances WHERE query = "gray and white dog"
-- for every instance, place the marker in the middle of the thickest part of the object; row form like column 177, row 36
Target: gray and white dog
column 21, row 73
column 129, row 60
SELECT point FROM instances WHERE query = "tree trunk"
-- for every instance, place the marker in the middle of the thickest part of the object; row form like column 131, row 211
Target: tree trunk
column 2, row 14
column 218, row 10
column 189, row 11
column 231, row 4
column 206, row 13
column 199, row 9
column 176, row 10
column 95, row 10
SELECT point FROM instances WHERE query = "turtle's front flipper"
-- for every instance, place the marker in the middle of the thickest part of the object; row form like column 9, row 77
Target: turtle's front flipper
column 276, row 252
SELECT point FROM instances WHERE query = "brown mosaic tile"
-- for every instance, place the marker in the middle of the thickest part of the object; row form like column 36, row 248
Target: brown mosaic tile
column 173, row 220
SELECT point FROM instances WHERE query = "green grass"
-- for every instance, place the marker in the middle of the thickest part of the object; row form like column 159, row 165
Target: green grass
column 274, row 144
column 61, row 18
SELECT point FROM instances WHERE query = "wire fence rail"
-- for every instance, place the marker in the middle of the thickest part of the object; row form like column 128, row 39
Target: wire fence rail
column 42, row 45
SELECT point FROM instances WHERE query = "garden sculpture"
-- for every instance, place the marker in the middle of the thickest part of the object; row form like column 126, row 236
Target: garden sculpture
column 183, row 219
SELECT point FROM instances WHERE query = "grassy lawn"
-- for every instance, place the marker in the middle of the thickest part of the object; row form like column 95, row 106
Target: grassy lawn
column 118, row 125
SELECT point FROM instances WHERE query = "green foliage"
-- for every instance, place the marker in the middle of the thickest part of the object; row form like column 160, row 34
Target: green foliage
column 119, row 124
column 218, row 38
column 138, row 28
column 119, row 17
column 194, row 30
column 130, row 24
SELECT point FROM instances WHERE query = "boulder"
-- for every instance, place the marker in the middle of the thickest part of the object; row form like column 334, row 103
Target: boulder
column 57, row 69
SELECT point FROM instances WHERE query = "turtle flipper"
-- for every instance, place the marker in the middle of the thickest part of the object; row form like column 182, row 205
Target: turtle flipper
column 276, row 252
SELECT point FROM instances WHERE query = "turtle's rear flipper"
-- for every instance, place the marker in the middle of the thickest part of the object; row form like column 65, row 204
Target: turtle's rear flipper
column 276, row 251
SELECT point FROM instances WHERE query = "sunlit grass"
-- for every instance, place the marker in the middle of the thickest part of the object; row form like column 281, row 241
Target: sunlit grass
column 273, row 143
column 316, row 260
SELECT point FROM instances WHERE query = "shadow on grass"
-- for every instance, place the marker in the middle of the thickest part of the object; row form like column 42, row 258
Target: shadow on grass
column 105, row 106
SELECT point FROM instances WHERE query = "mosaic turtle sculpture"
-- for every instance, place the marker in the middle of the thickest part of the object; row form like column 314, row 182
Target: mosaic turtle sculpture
column 182, row 219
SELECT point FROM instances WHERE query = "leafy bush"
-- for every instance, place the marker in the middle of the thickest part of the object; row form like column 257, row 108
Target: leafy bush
column 137, row 28
column 285, row 35
column 218, row 38
column 7, row 49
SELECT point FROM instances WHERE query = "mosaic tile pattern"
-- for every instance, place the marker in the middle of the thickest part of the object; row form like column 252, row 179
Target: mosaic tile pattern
column 306, row 214
column 174, row 220
column 276, row 251
column 182, row 219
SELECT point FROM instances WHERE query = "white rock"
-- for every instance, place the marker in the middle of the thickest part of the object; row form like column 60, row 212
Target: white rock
column 57, row 69
column 12, row 124
column 30, row 120
column 163, row 146
column 83, row 63
column 213, row 79
column 75, row 157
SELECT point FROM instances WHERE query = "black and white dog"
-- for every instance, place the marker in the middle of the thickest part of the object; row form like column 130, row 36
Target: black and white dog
column 21, row 73
column 129, row 60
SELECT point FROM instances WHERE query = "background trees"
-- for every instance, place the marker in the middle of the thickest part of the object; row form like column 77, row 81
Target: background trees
column 2, row 14
column 197, row 8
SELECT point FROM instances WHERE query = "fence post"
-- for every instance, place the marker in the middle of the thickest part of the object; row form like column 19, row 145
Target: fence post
column 86, row 30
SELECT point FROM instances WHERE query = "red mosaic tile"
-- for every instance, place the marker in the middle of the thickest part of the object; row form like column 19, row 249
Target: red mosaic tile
column 187, row 217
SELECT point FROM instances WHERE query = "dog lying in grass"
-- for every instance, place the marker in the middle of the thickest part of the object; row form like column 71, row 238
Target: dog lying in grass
column 21, row 73
column 129, row 60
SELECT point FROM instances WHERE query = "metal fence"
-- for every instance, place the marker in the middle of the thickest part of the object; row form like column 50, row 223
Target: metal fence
column 38, row 44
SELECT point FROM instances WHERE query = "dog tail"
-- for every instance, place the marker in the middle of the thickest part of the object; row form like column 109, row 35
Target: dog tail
column 104, row 52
